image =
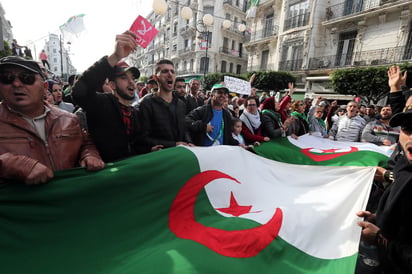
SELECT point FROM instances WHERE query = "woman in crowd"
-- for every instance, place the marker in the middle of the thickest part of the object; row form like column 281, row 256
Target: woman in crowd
column 272, row 125
column 251, row 121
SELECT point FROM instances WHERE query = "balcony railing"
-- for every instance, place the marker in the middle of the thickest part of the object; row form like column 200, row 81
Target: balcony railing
column 231, row 52
column 264, row 33
column 291, row 65
column 350, row 7
column 376, row 57
column 297, row 21
column 187, row 50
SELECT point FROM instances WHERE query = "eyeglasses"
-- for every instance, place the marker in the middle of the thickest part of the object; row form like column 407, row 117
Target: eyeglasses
column 251, row 105
column 26, row 78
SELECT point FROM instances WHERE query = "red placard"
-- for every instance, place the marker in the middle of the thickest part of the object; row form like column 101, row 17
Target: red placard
column 144, row 31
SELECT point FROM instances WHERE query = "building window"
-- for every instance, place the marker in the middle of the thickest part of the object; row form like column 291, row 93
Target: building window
column 54, row 51
column 352, row 6
column 231, row 68
column 268, row 30
column 238, row 69
column 225, row 45
column 223, row 67
column 175, row 29
column 298, row 15
column 192, row 62
column 240, row 50
column 408, row 47
column 346, row 45
column 264, row 60
column 292, row 56
column 204, row 65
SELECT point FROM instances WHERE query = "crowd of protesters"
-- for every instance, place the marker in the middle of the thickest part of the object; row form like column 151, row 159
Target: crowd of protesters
column 106, row 114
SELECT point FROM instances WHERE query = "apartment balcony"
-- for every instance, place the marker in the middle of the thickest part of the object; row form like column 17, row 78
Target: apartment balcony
column 231, row 4
column 187, row 50
column 232, row 52
column 188, row 30
column 297, row 21
column 349, row 8
column 263, row 34
column 291, row 65
column 234, row 29
column 385, row 56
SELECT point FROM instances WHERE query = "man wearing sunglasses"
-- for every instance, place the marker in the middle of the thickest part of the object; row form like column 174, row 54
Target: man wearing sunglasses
column 37, row 139
column 390, row 229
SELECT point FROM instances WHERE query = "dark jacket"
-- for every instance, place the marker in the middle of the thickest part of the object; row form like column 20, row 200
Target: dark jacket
column 394, row 220
column 158, row 125
column 104, row 117
column 271, row 123
column 192, row 102
column 197, row 120
column 21, row 147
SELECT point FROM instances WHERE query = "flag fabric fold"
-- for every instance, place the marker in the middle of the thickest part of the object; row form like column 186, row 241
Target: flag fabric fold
column 187, row 210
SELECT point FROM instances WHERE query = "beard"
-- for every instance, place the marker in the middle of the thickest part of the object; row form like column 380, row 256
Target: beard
column 124, row 95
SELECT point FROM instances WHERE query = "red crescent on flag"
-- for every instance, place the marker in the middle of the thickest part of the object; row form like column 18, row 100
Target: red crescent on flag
column 237, row 243
column 325, row 157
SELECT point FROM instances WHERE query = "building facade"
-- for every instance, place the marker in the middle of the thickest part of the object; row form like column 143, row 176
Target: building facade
column 5, row 28
column 312, row 38
column 194, row 48
column 58, row 57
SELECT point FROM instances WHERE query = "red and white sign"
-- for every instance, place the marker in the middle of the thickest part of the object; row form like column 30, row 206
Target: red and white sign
column 144, row 31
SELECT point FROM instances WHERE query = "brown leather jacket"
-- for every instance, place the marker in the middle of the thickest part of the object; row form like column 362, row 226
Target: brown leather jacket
column 21, row 147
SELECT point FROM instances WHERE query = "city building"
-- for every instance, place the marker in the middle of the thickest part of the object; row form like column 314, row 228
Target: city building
column 5, row 28
column 312, row 38
column 58, row 57
column 195, row 48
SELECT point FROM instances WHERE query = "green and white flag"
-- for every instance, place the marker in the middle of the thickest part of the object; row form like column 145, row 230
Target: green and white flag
column 313, row 150
column 199, row 210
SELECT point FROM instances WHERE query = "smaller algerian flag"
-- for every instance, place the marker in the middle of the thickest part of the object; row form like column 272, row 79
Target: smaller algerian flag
column 313, row 150
column 74, row 26
column 251, row 12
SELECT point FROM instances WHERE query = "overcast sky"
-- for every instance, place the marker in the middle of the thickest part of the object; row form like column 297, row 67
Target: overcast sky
column 33, row 21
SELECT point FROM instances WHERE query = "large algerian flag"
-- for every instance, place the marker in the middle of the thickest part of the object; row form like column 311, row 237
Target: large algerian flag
column 199, row 210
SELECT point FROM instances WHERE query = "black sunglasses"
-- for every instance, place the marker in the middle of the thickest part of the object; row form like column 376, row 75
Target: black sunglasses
column 26, row 78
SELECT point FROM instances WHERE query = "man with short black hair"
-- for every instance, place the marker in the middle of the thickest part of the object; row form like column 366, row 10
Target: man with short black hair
column 379, row 132
column 111, row 119
column 349, row 126
column 162, row 114
column 211, row 124
column 37, row 139
column 180, row 88
column 193, row 100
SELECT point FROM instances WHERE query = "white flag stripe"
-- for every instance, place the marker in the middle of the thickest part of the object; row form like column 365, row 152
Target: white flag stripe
column 319, row 143
column 319, row 203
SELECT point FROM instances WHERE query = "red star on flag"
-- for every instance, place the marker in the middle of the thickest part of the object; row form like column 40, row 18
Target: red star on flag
column 234, row 208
